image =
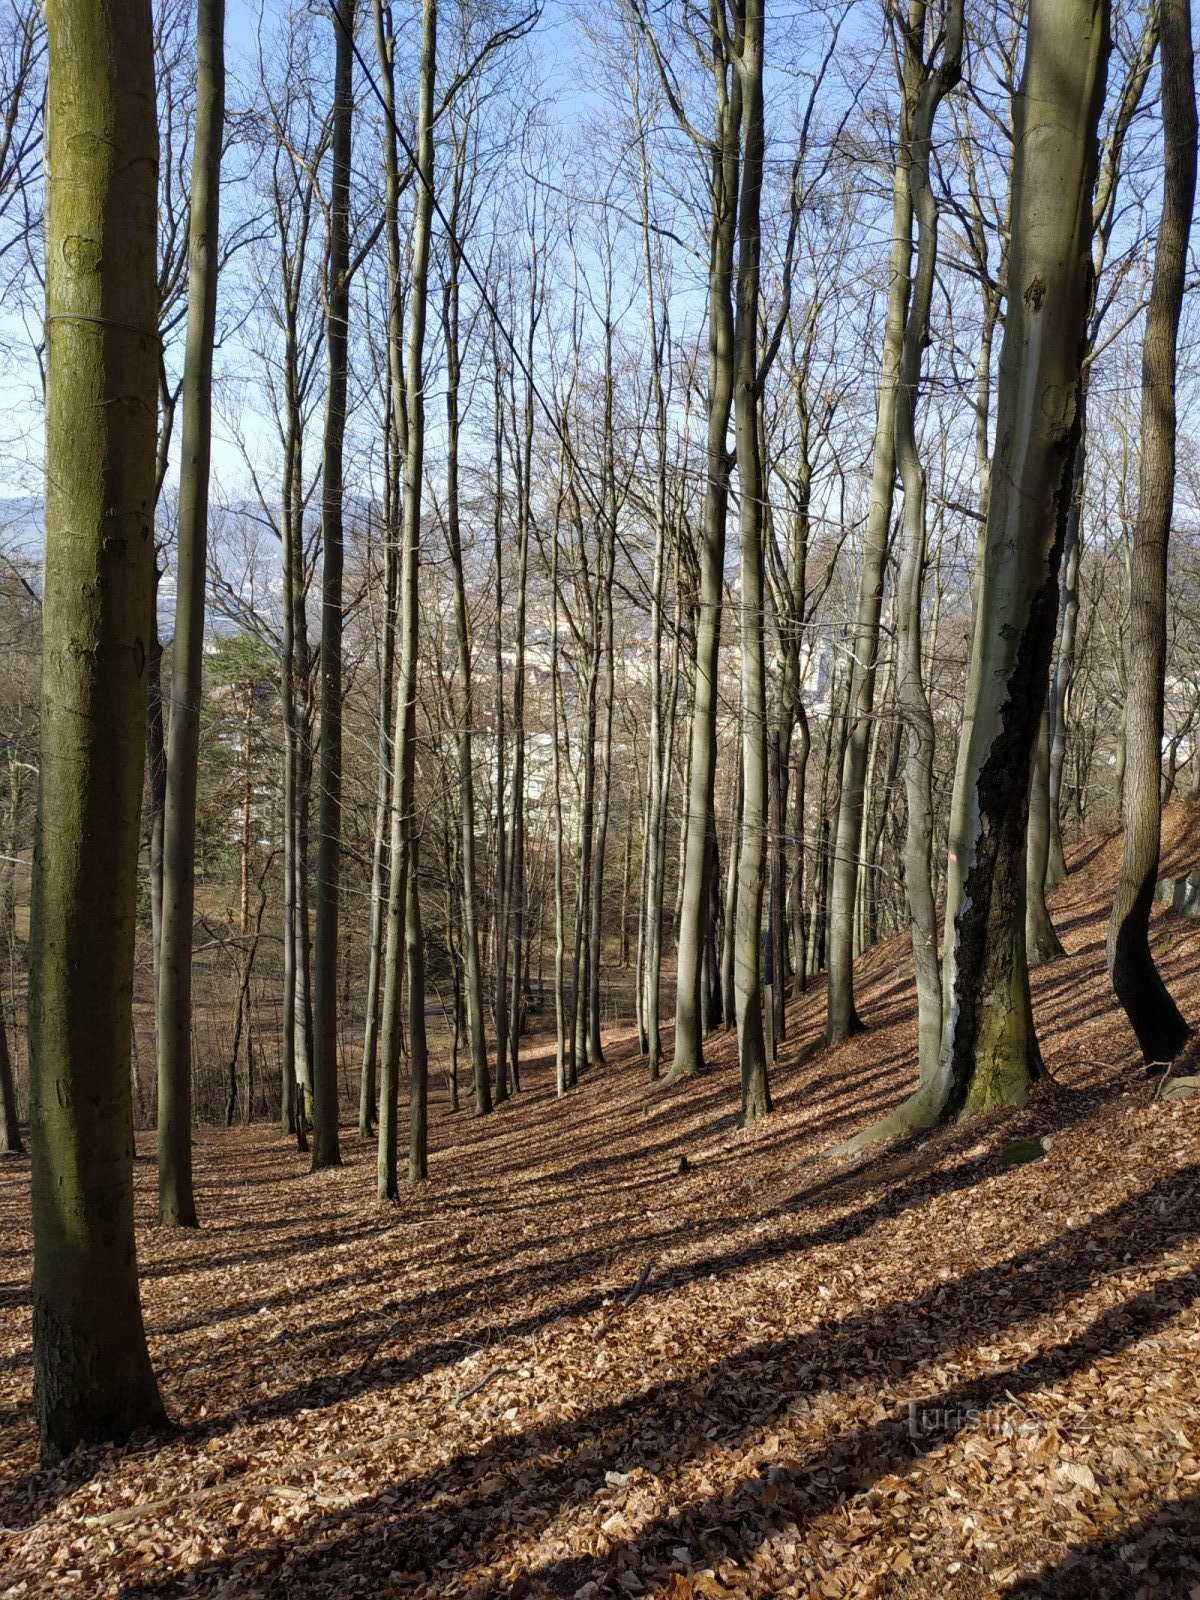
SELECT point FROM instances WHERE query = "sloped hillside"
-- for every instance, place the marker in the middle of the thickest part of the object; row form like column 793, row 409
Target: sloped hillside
column 617, row 1347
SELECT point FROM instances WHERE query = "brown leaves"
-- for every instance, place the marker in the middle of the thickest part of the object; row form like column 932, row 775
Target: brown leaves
column 907, row 1374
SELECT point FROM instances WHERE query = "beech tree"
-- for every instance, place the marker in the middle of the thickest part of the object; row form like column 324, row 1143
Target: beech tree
column 990, row 1055
column 92, row 1373
column 177, row 1205
column 932, row 76
column 1155, row 1018
column 338, row 273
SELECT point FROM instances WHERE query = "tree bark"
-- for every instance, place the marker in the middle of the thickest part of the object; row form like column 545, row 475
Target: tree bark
column 92, row 1375
column 404, row 936
column 1041, row 941
column 1155, row 1018
column 368, row 1076
column 176, row 1200
column 1064, row 665
column 991, row 1054
column 842, row 1018
column 476, row 1019
column 935, row 82
column 326, row 1151
column 702, row 762
column 10, row 1125
column 752, row 1051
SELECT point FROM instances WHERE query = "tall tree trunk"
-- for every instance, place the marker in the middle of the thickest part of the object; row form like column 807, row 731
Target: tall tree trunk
column 747, row 971
column 842, row 1018
column 92, row 1375
column 156, row 781
column 10, row 1125
column 502, row 906
column 515, row 878
column 418, row 1048
column 729, row 910
column 326, row 1151
column 1064, row 664
column 935, row 83
column 404, row 935
column 1156, row 1020
column 1042, row 943
column 802, row 747
column 702, row 758
column 991, row 1054
column 368, row 1077
column 176, row 1201
column 241, row 1015
column 476, row 1019
column 583, row 865
column 563, row 1055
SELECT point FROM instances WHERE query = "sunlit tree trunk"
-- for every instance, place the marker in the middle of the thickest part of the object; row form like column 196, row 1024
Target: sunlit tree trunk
column 702, row 756
column 747, row 978
column 1042, row 943
column 991, row 1055
column 92, row 1375
column 935, row 82
column 368, row 1077
column 842, row 1018
column 1160, row 1028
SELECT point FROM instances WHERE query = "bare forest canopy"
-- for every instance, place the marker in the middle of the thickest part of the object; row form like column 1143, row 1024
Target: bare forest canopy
column 535, row 538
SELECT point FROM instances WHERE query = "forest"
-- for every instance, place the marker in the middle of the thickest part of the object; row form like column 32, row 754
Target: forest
column 600, row 799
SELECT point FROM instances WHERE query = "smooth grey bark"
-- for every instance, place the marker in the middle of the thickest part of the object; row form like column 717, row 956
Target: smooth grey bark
column 990, row 1053
column 326, row 1151
column 603, row 807
column 502, row 904
column 583, row 856
column 405, row 944
column 369, row 1073
column 476, row 1019
column 418, row 1047
column 92, row 1375
column 842, row 1018
column 702, row 757
column 604, row 643
column 176, row 1199
column 291, row 211
column 801, row 750
column 1155, row 1018
column 1042, row 943
column 650, row 901
column 729, row 907
column 1105, row 214
column 747, row 974
column 935, row 76
column 563, row 1057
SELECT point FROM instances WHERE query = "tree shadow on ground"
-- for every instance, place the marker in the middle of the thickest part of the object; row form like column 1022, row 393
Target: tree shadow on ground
column 484, row 1503
column 879, row 1188
column 1159, row 1553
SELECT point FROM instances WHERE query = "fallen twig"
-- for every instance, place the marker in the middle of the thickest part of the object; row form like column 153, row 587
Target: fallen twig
column 639, row 1286
column 465, row 1394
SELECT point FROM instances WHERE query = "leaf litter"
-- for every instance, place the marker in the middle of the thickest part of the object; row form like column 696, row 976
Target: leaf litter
column 575, row 1364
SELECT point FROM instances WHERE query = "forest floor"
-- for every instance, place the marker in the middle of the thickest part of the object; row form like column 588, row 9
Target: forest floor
column 911, row 1372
